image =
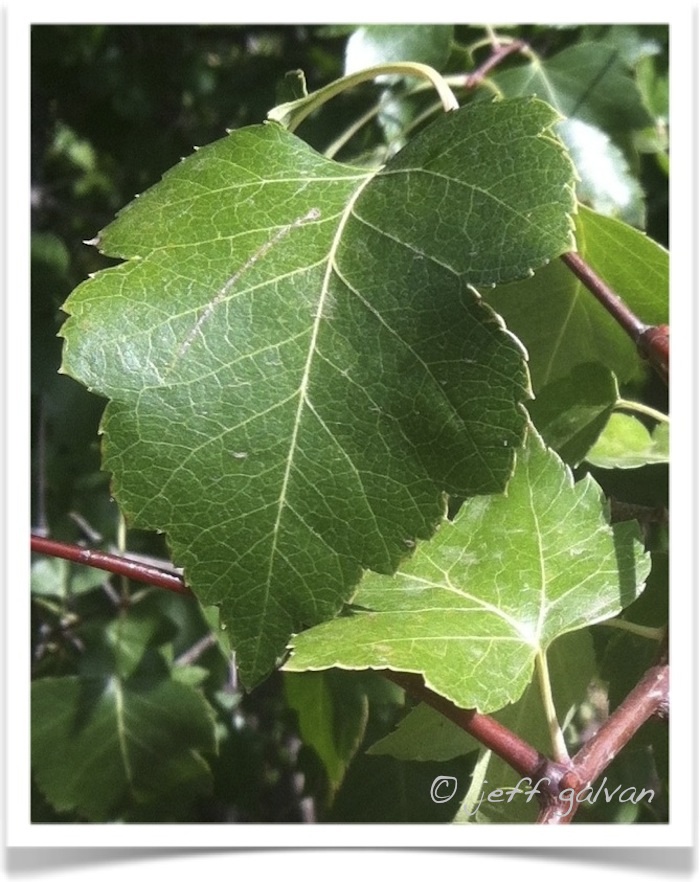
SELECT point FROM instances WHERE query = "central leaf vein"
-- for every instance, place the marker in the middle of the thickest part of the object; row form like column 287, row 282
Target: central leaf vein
column 303, row 400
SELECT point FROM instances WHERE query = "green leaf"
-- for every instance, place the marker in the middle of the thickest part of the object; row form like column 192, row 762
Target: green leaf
column 297, row 368
column 331, row 715
column 606, row 182
column 129, row 636
column 560, row 321
column 106, row 747
column 424, row 735
column 474, row 606
column 60, row 578
column 591, row 84
column 378, row 44
column 571, row 413
column 626, row 443
column 588, row 81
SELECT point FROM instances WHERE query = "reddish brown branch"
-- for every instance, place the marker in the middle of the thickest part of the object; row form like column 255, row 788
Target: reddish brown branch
column 651, row 342
column 498, row 53
column 649, row 698
column 492, row 734
column 112, row 563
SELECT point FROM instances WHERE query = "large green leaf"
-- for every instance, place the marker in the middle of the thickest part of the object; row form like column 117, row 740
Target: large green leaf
column 106, row 747
column 297, row 367
column 560, row 321
column 475, row 605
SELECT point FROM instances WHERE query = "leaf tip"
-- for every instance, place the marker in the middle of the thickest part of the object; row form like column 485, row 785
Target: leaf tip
column 95, row 241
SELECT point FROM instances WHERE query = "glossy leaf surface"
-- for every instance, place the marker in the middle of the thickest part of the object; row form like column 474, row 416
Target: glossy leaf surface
column 298, row 369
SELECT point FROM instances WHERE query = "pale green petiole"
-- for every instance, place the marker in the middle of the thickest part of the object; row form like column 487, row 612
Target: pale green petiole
column 559, row 751
column 293, row 113
column 647, row 631
column 637, row 407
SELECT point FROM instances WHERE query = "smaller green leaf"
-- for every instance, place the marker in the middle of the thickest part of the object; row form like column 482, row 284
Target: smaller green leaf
column 105, row 748
column 60, row 578
column 626, row 443
column 588, row 81
column 130, row 636
column 606, row 183
column 332, row 715
column 475, row 605
column 571, row 413
column 378, row 44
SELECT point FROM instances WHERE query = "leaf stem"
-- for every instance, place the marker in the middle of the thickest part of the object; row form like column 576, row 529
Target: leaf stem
column 556, row 735
column 501, row 49
column 638, row 407
column 647, row 631
column 121, row 545
column 293, row 113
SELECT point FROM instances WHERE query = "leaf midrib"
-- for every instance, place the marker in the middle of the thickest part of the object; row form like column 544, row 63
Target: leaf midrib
column 303, row 401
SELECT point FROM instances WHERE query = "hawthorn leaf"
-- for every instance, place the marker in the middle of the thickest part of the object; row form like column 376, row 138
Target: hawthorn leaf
column 606, row 183
column 332, row 712
column 562, row 324
column 297, row 365
column 105, row 746
column 626, row 443
column 493, row 588
column 379, row 44
column 589, row 81
column 571, row 413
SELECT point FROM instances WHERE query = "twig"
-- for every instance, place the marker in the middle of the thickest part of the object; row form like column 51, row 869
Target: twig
column 500, row 51
column 492, row 734
column 647, row 699
column 651, row 341
column 112, row 563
